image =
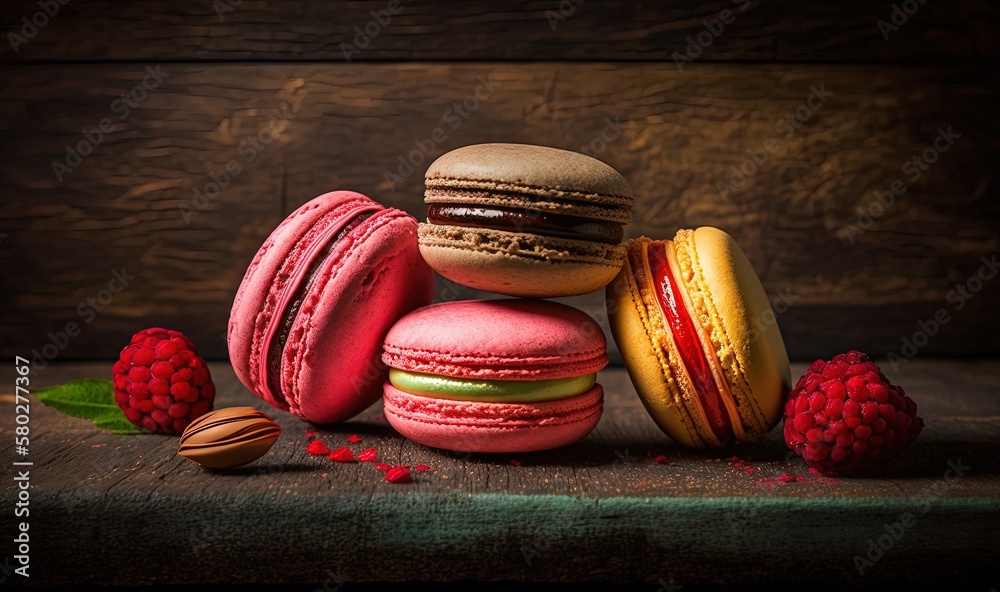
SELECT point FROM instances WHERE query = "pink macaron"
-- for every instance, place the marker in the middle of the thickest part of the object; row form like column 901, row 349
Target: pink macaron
column 307, row 324
column 494, row 375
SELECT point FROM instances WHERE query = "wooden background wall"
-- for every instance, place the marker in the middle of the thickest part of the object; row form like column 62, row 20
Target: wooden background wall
column 556, row 73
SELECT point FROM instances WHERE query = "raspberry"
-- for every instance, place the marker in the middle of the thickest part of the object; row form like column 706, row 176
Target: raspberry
column 866, row 419
column 161, row 383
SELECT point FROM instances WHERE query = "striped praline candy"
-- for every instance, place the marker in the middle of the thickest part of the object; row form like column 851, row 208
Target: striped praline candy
column 228, row 437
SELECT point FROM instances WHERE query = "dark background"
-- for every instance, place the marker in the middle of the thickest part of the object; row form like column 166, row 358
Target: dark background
column 562, row 74
column 594, row 76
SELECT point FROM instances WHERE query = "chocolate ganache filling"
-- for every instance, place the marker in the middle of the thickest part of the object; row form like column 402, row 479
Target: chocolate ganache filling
column 277, row 347
column 531, row 221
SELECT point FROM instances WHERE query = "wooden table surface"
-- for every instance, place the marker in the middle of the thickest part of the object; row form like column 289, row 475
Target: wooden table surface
column 127, row 510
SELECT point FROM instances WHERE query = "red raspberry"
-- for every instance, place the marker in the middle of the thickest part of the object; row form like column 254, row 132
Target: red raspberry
column 865, row 419
column 161, row 383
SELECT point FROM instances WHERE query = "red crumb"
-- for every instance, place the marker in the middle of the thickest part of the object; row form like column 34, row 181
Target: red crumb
column 354, row 439
column 740, row 463
column 310, row 433
column 342, row 455
column 663, row 460
column 515, row 462
column 382, row 466
column 399, row 474
column 367, row 455
column 317, row 447
column 815, row 478
column 814, row 471
column 422, row 468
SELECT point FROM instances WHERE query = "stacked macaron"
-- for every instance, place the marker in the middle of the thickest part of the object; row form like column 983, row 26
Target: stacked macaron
column 335, row 311
column 509, row 375
column 494, row 375
column 523, row 220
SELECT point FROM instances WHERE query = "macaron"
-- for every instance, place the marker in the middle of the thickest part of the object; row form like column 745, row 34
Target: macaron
column 505, row 375
column 307, row 323
column 699, row 339
column 525, row 220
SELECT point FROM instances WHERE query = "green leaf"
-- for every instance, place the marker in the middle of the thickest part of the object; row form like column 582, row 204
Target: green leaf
column 89, row 398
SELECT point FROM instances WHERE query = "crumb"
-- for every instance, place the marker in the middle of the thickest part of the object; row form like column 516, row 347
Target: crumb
column 398, row 474
column 342, row 455
column 317, row 447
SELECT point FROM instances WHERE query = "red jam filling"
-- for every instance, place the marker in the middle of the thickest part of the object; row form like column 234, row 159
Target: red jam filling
column 686, row 339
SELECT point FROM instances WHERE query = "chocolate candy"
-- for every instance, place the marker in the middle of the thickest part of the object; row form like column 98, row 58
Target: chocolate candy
column 229, row 437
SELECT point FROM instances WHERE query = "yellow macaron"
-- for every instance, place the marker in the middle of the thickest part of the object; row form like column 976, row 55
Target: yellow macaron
column 697, row 334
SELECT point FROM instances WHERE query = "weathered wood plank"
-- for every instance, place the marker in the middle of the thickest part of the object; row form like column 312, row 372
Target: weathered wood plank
column 598, row 510
column 527, row 30
column 134, row 203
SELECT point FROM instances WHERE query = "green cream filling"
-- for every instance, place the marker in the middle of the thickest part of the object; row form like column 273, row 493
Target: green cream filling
column 490, row 391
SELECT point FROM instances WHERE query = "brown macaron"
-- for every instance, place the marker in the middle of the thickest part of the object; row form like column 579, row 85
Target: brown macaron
column 525, row 220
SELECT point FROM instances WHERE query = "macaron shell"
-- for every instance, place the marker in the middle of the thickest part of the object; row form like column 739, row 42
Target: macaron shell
column 265, row 279
column 757, row 347
column 647, row 367
column 519, row 264
column 492, row 427
column 530, row 170
column 330, row 369
column 507, row 339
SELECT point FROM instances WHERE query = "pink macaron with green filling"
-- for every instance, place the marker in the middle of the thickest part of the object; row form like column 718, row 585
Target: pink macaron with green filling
column 506, row 375
column 307, row 323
